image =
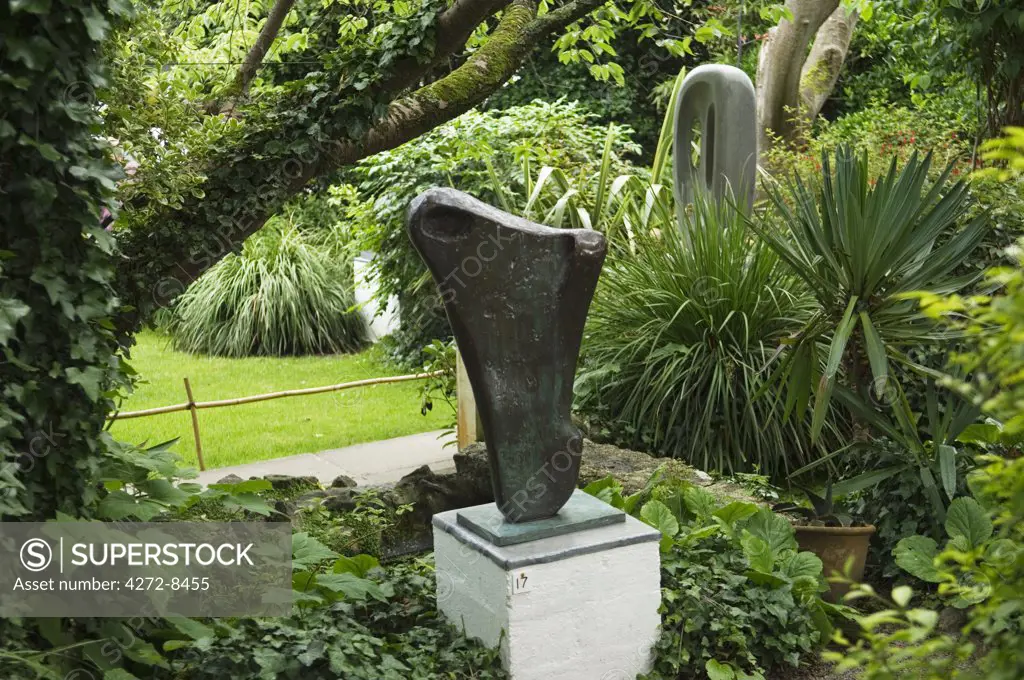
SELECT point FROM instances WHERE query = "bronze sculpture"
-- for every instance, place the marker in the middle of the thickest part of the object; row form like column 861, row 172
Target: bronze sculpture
column 517, row 295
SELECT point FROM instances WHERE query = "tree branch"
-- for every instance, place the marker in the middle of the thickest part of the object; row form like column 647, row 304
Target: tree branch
column 454, row 27
column 163, row 260
column 465, row 87
column 822, row 68
column 263, row 42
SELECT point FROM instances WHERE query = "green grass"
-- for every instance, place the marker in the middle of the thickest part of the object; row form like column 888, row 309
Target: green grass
column 271, row 429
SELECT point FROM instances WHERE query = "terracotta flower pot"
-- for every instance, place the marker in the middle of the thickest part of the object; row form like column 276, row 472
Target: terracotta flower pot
column 836, row 545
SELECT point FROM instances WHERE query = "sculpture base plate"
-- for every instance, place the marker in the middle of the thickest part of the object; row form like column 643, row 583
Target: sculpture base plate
column 582, row 511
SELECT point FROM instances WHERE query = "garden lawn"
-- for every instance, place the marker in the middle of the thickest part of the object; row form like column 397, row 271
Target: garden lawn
column 269, row 429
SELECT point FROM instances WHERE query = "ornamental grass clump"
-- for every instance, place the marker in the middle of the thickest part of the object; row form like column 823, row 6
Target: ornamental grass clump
column 683, row 324
column 284, row 294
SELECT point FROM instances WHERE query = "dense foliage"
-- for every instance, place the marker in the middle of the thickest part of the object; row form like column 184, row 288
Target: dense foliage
column 860, row 242
column 982, row 567
column 938, row 125
column 897, row 504
column 398, row 637
column 982, row 564
column 738, row 597
column 59, row 367
column 475, row 154
column 264, row 98
column 681, row 328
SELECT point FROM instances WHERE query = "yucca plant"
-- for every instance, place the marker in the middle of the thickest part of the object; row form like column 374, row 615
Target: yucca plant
column 681, row 332
column 284, row 294
column 861, row 245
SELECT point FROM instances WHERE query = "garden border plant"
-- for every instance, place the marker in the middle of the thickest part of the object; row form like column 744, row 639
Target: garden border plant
column 738, row 598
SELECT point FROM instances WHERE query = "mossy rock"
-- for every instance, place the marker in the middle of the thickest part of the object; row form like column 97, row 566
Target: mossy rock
column 287, row 487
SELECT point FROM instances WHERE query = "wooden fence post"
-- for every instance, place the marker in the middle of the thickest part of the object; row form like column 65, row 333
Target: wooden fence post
column 195, row 424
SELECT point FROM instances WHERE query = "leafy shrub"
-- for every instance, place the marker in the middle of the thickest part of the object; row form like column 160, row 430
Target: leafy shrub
column 985, row 558
column 473, row 153
column 969, row 529
column 738, row 598
column 441, row 356
column 898, row 506
column 714, row 616
column 359, row 530
column 683, row 323
column 284, row 294
column 398, row 637
column 978, row 568
column 904, row 480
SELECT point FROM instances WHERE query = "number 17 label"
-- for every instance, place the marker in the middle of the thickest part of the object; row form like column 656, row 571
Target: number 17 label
column 521, row 582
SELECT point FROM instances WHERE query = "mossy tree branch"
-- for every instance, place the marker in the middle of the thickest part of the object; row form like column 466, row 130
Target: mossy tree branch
column 245, row 186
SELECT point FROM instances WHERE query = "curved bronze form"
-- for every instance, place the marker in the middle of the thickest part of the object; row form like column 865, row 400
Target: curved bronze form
column 517, row 295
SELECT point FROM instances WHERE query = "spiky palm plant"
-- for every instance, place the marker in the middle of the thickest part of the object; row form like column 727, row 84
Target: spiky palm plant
column 284, row 294
column 862, row 245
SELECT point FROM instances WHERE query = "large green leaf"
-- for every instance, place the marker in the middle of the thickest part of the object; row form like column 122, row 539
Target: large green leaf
column 163, row 491
column 247, row 486
column 606, row 489
column 350, row 586
column 802, row 564
column 700, row 502
column 947, row 468
column 120, row 505
column 776, row 534
column 966, row 518
column 758, row 553
column 11, row 311
column 660, row 517
column 719, row 671
column 733, row 513
column 358, row 565
column 916, row 556
column 248, row 501
column 307, row 552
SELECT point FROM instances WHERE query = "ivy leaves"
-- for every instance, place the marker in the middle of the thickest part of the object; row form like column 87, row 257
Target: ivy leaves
column 738, row 595
column 360, row 637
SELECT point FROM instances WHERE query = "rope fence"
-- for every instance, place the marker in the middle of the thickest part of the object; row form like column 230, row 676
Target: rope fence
column 194, row 406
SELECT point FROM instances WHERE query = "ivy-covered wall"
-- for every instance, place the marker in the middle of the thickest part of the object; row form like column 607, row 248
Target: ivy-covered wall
column 58, row 350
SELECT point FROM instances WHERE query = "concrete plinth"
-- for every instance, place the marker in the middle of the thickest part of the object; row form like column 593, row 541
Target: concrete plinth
column 579, row 606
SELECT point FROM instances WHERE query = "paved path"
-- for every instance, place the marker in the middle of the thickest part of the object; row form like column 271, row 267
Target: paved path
column 368, row 463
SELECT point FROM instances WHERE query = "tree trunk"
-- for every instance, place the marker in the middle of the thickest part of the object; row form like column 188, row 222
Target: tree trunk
column 780, row 67
column 259, row 50
column 821, row 70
